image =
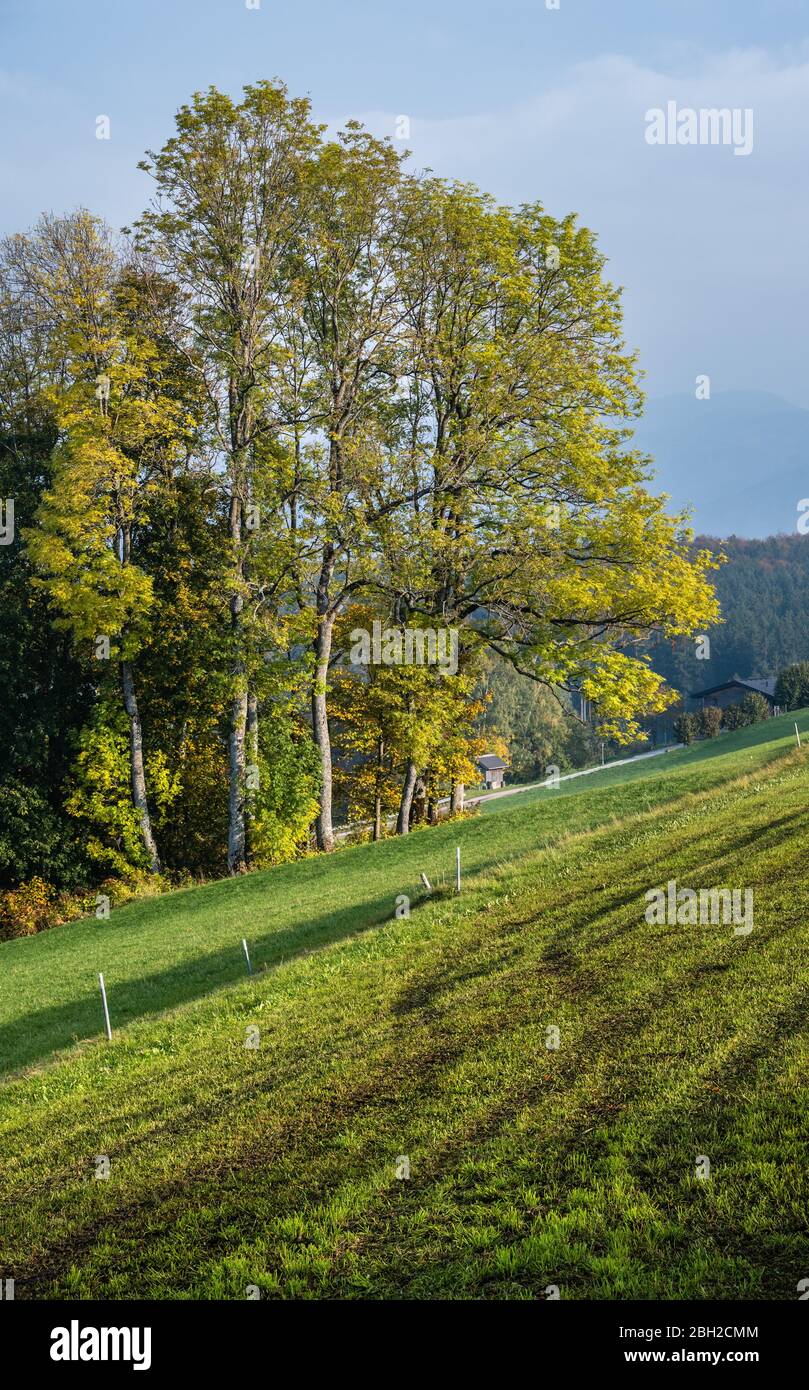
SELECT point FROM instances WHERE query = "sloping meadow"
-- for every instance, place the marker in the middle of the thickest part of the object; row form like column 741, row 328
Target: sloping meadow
column 528, row 1091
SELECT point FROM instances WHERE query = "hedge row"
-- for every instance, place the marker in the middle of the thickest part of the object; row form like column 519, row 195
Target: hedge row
column 708, row 722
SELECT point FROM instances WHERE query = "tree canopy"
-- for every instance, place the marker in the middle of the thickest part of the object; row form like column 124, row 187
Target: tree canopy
column 310, row 393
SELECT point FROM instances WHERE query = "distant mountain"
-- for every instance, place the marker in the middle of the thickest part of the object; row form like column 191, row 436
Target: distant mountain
column 740, row 459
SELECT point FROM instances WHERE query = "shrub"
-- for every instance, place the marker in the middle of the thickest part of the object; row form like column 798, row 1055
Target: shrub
column 100, row 797
column 136, row 885
column 686, row 728
column 710, row 721
column 27, row 909
column 751, row 710
column 755, row 708
column 36, row 905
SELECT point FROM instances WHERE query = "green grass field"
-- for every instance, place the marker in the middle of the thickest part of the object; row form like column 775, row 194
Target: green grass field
column 426, row 1037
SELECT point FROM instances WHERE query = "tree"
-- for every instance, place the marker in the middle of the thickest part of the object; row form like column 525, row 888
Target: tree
column 539, row 536
column 227, row 211
column 100, row 798
column 116, row 424
column 431, row 732
column 400, row 723
column 322, row 392
column 46, row 688
column 341, row 375
column 792, row 686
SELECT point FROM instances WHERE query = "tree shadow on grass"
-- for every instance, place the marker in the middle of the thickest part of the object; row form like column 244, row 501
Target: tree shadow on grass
column 34, row 1036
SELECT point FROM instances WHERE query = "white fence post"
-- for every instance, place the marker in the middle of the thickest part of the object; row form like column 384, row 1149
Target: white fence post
column 106, row 1010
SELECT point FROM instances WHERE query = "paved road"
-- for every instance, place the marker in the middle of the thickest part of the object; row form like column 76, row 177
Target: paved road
column 568, row 776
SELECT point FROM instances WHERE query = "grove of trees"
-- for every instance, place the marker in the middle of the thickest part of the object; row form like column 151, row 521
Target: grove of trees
column 308, row 390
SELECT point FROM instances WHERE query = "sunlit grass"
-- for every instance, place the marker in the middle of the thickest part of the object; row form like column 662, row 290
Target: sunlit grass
column 427, row 1037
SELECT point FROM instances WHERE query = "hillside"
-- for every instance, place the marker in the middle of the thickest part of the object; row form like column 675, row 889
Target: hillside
column 763, row 592
column 426, row 1037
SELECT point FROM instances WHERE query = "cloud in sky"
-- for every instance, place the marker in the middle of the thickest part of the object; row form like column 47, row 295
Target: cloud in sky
column 710, row 247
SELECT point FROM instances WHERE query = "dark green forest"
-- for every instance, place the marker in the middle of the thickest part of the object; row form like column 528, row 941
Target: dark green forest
column 763, row 590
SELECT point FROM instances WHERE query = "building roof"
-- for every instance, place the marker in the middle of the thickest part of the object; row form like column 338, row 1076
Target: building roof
column 762, row 687
column 490, row 762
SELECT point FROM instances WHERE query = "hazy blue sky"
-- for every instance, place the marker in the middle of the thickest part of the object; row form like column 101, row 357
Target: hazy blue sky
column 526, row 101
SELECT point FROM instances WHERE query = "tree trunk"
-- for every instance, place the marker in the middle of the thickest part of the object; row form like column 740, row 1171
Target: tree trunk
column 320, row 731
column 418, row 807
column 237, row 860
column 139, row 800
column 380, row 754
column 456, row 798
column 237, row 847
column 251, row 760
column 408, row 788
column 251, row 729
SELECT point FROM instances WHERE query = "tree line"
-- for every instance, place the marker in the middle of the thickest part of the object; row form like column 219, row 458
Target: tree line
column 307, row 392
